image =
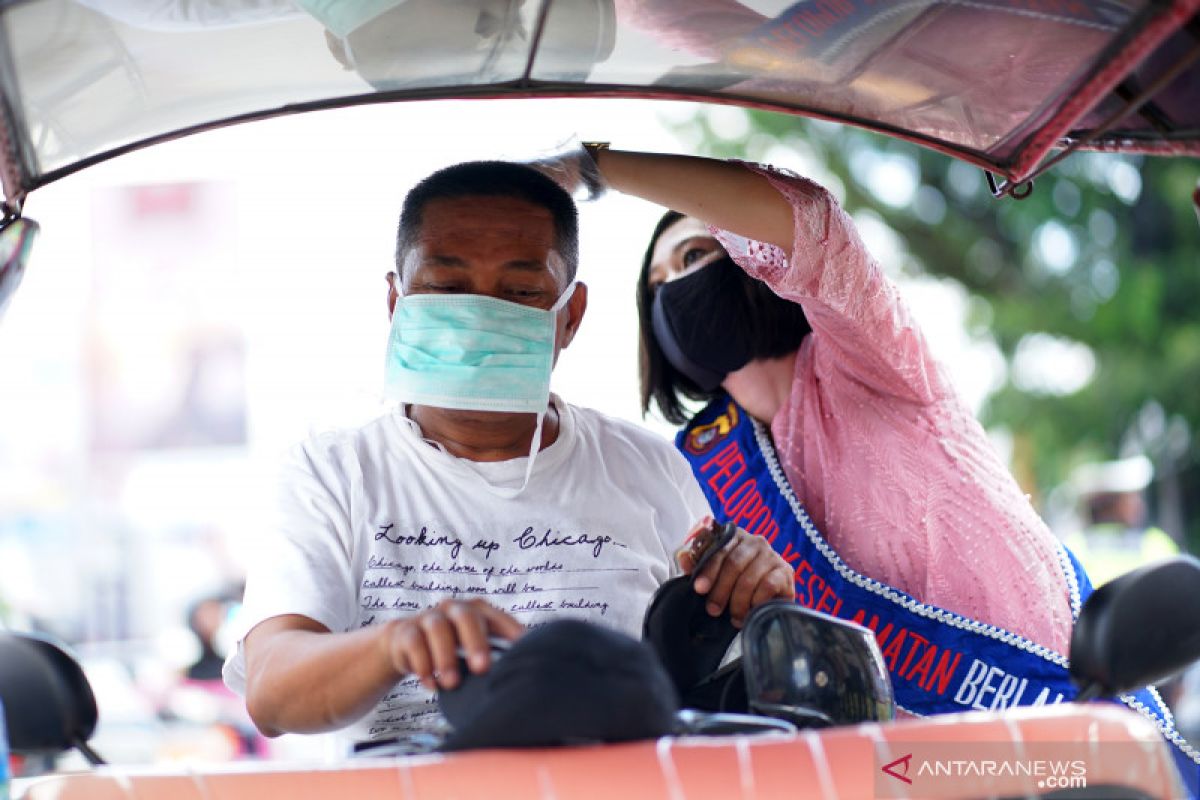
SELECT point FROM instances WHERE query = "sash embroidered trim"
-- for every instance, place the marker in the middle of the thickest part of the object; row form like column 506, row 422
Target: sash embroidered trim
column 1165, row 727
column 877, row 588
column 1064, row 562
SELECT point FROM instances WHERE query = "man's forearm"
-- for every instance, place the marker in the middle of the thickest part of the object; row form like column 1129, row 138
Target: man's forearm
column 721, row 193
column 305, row 681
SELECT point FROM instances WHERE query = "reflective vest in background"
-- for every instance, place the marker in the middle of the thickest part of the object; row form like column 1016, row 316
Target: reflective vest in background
column 1111, row 549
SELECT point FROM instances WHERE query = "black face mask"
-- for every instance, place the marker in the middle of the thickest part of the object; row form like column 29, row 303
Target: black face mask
column 702, row 324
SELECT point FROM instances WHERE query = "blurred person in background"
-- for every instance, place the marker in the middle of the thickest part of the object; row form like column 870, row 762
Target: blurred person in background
column 206, row 618
column 1116, row 536
column 201, row 697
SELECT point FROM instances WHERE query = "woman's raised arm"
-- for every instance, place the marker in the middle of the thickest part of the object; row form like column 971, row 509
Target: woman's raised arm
column 721, row 193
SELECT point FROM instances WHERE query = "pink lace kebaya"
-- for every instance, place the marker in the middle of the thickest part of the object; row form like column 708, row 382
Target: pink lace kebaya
column 893, row 468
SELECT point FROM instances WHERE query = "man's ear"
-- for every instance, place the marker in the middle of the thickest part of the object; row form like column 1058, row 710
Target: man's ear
column 575, row 309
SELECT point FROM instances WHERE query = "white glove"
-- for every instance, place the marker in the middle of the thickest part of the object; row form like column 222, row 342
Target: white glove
column 574, row 168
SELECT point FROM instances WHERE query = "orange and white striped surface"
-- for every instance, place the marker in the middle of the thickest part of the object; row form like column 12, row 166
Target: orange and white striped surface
column 1025, row 752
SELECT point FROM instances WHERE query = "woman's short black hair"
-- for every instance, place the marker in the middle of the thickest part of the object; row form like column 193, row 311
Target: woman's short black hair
column 779, row 326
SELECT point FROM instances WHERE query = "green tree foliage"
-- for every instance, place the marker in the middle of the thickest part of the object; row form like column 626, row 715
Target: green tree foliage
column 1105, row 253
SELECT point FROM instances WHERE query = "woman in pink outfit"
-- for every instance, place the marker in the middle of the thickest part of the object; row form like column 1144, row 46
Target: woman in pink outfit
column 891, row 466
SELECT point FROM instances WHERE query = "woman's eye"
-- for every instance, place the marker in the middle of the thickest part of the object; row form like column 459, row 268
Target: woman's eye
column 692, row 255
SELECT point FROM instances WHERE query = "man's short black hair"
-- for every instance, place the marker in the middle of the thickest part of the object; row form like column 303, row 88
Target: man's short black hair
column 779, row 326
column 492, row 179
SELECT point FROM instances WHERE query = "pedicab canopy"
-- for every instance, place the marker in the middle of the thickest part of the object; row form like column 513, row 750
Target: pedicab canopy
column 997, row 83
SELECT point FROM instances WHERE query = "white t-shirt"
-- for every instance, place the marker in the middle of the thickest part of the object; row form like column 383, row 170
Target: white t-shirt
column 377, row 523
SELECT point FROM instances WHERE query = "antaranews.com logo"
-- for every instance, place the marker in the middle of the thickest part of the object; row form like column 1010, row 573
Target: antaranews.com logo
column 983, row 769
column 1045, row 773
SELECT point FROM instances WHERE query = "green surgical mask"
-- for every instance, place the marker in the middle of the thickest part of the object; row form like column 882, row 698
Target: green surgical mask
column 475, row 353
column 471, row 352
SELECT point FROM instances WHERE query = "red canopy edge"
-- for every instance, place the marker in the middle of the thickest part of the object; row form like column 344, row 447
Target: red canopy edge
column 1159, row 147
column 1051, row 134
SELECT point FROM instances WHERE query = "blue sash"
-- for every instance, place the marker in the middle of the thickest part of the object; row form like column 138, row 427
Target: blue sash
column 939, row 661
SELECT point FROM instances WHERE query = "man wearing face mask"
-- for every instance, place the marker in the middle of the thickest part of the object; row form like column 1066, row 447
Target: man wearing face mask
column 483, row 504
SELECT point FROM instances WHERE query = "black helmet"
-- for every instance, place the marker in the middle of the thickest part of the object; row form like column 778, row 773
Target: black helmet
column 625, row 694
column 788, row 662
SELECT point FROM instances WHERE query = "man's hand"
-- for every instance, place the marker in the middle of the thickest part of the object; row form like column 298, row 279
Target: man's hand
column 427, row 645
column 301, row 678
column 743, row 574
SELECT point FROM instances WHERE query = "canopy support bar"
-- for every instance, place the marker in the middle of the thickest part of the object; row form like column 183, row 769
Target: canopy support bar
column 1021, row 189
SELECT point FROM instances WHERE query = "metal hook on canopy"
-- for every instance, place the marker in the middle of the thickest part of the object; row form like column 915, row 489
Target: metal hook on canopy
column 1017, row 191
column 10, row 212
column 1185, row 61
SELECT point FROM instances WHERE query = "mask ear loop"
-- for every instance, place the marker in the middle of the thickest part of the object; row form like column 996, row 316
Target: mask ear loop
column 535, row 445
column 508, row 493
column 503, row 492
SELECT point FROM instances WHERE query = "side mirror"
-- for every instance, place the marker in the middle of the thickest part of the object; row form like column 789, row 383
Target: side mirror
column 16, row 242
column 1138, row 629
column 812, row 669
column 48, row 704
